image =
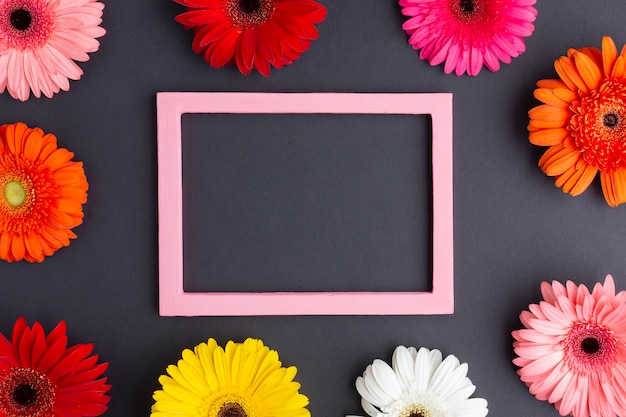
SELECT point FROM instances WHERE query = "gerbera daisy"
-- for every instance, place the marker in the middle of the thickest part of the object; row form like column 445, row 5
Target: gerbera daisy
column 243, row 380
column 41, row 377
column 41, row 39
column 572, row 351
column 468, row 34
column 583, row 121
column 420, row 384
column 252, row 33
column 41, row 194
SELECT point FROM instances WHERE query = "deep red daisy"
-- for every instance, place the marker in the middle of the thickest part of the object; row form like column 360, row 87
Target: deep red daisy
column 252, row 33
column 41, row 377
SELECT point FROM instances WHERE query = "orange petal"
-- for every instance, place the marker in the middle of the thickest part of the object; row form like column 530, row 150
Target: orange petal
column 561, row 162
column 619, row 68
column 565, row 94
column 609, row 54
column 33, row 246
column 607, row 189
column 585, row 180
column 17, row 247
column 564, row 177
column 588, row 70
column 548, row 137
column 549, row 113
column 569, row 74
column 547, row 96
column 552, row 84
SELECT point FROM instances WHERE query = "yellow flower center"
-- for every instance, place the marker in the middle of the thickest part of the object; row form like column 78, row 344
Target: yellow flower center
column 14, row 194
column 18, row 194
column 416, row 411
column 229, row 405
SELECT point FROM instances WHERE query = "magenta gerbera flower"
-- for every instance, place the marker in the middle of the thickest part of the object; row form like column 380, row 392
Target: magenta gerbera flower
column 41, row 39
column 468, row 34
column 572, row 351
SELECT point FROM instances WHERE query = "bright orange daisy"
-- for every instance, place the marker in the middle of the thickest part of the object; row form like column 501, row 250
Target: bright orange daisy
column 583, row 121
column 42, row 191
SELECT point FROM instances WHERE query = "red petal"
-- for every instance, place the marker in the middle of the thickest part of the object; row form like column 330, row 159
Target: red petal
column 72, row 357
column 223, row 49
column 53, row 355
column 246, row 51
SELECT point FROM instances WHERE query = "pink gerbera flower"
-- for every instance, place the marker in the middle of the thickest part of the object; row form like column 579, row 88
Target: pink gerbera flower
column 468, row 34
column 572, row 351
column 41, row 39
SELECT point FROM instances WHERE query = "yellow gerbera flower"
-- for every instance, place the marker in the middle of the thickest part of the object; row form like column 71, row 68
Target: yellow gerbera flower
column 583, row 121
column 243, row 380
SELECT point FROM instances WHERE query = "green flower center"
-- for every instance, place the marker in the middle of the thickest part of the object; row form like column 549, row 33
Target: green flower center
column 14, row 193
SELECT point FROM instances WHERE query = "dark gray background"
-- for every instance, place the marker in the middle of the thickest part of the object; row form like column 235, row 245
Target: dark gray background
column 513, row 228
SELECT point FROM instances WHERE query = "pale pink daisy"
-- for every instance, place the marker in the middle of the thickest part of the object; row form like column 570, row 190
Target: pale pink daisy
column 572, row 352
column 468, row 34
column 41, row 39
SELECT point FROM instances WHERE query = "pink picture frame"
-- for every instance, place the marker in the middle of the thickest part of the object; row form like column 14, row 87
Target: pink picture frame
column 174, row 301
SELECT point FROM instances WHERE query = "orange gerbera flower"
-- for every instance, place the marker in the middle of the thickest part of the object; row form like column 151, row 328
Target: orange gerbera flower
column 583, row 121
column 42, row 192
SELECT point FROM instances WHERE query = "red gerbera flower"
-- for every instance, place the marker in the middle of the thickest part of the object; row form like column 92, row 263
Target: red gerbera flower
column 41, row 377
column 252, row 33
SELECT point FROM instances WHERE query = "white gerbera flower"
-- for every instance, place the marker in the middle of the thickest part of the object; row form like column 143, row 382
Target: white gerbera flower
column 420, row 384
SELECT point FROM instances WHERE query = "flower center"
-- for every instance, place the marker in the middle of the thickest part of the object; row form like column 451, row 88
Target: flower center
column 590, row 347
column 21, row 19
column 14, row 194
column 249, row 6
column 416, row 411
column 610, row 120
column 25, row 24
column 467, row 11
column 231, row 410
column 467, row 6
column 18, row 194
column 598, row 127
column 228, row 404
column 25, row 392
column 249, row 13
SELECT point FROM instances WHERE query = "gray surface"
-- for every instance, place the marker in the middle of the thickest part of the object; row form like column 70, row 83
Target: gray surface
column 513, row 228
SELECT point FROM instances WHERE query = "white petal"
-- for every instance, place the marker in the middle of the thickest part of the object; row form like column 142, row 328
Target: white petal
column 443, row 374
column 425, row 364
column 369, row 408
column 403, row 365
column 386, row 379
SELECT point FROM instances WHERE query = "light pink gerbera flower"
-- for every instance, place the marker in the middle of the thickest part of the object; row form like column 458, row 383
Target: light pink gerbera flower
column 41, row 39
column 468, row 34
column 572, row 351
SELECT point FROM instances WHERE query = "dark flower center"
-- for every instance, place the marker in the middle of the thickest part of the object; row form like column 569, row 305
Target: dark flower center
column 25, row 392
column 610, row 120
column 250, row 6
column 25, row 395
column 20, row 19
column 416, row 415
column 590, row 345
column 232, row 410
column 467, row 6
column 249, row 13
